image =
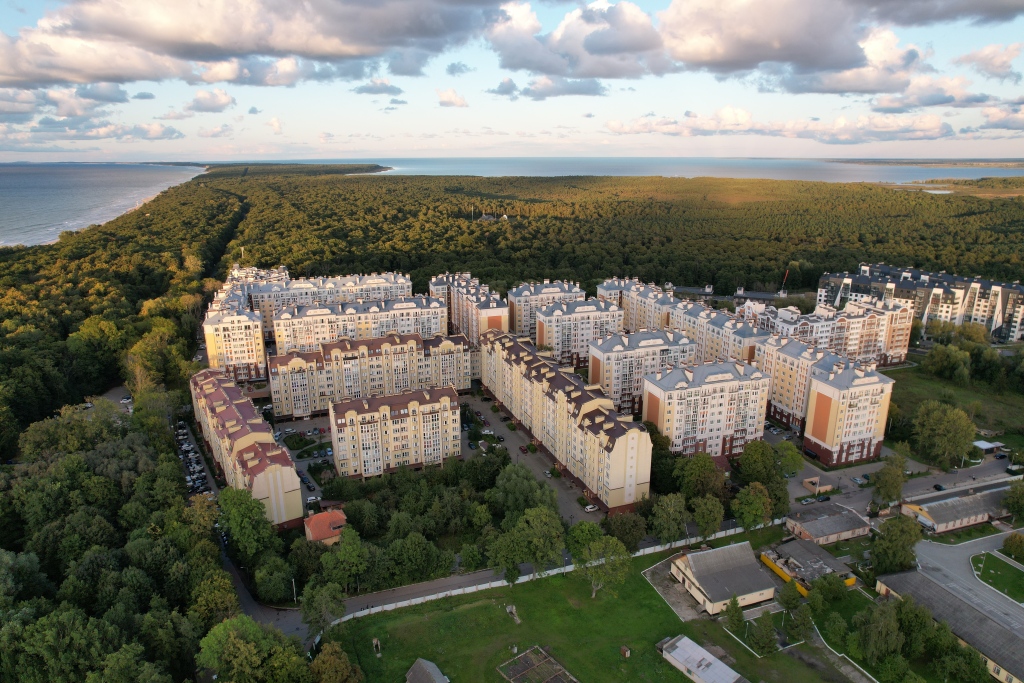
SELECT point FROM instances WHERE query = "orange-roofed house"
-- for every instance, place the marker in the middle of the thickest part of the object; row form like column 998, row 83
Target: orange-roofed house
column 325, row 527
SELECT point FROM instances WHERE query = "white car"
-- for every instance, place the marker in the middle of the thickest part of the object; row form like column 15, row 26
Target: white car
column 126, row 399
column 312, row 499
column 590, row 508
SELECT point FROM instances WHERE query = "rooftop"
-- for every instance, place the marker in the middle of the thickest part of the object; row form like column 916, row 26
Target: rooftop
column 687, row 655
column 727, row 571
column 578, row 306
column 325, row 525
column 827, row 519
column 691, row 376
column 808, row 560
column 641, row 339
column 962, row 507
column 546, row 287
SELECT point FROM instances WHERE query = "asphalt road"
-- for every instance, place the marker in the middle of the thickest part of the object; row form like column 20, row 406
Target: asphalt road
column 950, row 565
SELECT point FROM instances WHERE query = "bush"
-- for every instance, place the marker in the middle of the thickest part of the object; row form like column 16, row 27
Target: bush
column 582, row 501
column 511, row 426
column 835, row 628
column 297, row 442
column 555, row 474
column 495, row 409
column 530, row 447
column 470, row 557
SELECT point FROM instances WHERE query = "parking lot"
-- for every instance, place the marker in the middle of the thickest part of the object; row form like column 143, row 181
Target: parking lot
column 198, row 477
column 310, row 488
column 537, row 462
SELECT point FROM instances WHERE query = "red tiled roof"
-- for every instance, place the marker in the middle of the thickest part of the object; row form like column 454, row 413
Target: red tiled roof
column 324, row 525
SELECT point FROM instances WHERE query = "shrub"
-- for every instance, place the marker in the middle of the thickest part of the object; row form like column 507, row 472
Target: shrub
column 530, row 447
column 511, row 426
column 582, row 501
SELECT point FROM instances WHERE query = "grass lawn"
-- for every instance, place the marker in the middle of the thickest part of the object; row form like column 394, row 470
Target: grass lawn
column 962, row 535
column 855, row 547
column 1001, row 411
column 468, row 636
column 758, row 537
column 296, row 441
column 1002, row 576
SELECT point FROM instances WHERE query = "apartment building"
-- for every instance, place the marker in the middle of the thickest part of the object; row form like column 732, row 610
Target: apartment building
column 568, row 328
column 372, row 436
column 998, row 306
column 305, row 328
column 605, row 453
column 867, row 330
column 443, row 287
column 529, row 297
column 715, row 408
column 270, row 296
column 234, row 342
column 473, row 308
column 645, row 306
column 243, row 446
column 719, row 335
column 846, row 414
column 303, row 384
column 791, row 363
column 619, row 363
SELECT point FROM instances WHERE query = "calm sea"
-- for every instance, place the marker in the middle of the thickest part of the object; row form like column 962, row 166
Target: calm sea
column 39, row 201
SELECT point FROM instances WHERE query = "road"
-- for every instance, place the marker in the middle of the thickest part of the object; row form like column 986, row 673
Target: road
column 288, row 620
column 950, row 565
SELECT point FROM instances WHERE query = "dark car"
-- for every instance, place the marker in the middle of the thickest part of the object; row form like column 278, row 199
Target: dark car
column 478, row 413
column 487, row 423
column 486, row 399
column 472, row 446
column 310, row 487
column 1000, row 456
column 523, row 449
column 822, row 499
column 506, row 418
column 501, row 439
column 939, row 487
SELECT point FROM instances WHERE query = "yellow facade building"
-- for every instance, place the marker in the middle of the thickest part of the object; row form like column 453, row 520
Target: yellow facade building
column 846, row 413
column 529, row 297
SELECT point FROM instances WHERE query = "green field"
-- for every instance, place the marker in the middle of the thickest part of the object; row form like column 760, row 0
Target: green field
column 1000, row 411
column 963, row 535
column 855, row 547
column 469, row 636
column 1000, row 574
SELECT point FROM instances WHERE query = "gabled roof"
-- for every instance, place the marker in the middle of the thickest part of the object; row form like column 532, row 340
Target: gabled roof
column 827, row 519
column 727, row 571
column 962, row 507
column 324, row 525
column 423, row 671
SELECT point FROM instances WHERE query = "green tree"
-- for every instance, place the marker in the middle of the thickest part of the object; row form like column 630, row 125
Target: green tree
column 541, row 530
column 470, row 557
column 752, row 506
column 893, row 550
column 816, row 601
column 242, row 650
column 245, row 520
column 759, row 464
column 304, row 557
column 128, row 665
column 345, row 560
column 515, row 491
column 800, row 622
column 670, row 517
column 321, row 605
column 944, row 434
column 789, row 596
column 273, row 579
column 763, row 638
column 605, row 563
column 213, row 600
column 506, row 552
column 699, row 476
column 708, row 513
column 890, row 479
column 831, row 587
column 332, row 665
column 63, row 646
column 916, row 625
column 790, row 458
column 1014, row 499
column 734, row 615
column 893, row 669
column 629, row 528
column 835, row 628
column 581, row 535
column 1013, row 546
column 878, row 628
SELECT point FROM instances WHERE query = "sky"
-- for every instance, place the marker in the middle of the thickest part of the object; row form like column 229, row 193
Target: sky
column 210, row 80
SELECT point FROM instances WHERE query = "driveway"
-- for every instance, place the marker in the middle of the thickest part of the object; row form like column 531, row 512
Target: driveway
column 950, row 565
column 324, row 440
column 211, row 481
column 288, row 620
column 537, row 463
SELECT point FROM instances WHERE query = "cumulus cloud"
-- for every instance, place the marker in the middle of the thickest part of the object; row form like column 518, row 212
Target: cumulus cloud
column 507, row 88
column 49, row 128
column 929, row 91
column 221, row 131
column 994, row 61
column 457, row 69
column 1004, row 118
column 143, row 96
column 275, row 125
column 923, row 12
column 888, row 67
column 254, row 110
column 556, row 86
column 378, row 86
column 103, row 92
column 206, row 101
column 17, row 106
column 843, row 130
column 397, row 101
column 450, row 98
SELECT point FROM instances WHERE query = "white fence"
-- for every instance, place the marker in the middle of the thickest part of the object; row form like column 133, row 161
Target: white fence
column 530, row 577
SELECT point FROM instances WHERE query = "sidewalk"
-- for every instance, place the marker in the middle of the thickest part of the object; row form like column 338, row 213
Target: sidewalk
column 419, row 590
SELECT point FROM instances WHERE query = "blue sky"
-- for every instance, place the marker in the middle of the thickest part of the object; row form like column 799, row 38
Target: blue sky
column 243, row 79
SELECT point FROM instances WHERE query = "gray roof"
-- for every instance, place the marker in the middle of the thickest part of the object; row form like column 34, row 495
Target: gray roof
column 977, row 629
column 827, row 519
column 687, row 376
column 852, row 375
column 641, row 339
column 423, row 671
column 945, row 511
column 809, row 560
column 727, row 571
column 685, row 654
column 537, row 288
column 578, row 306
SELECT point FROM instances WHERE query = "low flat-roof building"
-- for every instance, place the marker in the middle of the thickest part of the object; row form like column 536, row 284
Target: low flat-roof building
column 713, row 576
column 958, row 512
column 804, row 561
column 827, row 523
column 696, row 663
column 325, row 527
column 1001, row 649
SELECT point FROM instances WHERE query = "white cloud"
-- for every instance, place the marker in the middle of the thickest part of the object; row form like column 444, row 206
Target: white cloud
column 221, row 131
column 843, row 130
column 994, row 61
column 1005, row 118
column 103, row 92
column 556, row 86
column 275, row 125
column 507, row 88
column 216, row 100
column 930, row 91
column 378, row 86
column 17, row 105
column 450, row 98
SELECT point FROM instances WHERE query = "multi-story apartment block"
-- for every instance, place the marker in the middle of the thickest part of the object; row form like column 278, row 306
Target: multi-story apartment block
column 606, row 453
column 303, row 384
column 568, row 328
column 529, row 297
column 791, row 363
column 715, row 408
column 269, row 297
column 645, row 306
column 998, row 306
column 443, row 287
column 846, row 414
column 243, row 446
column 473, row 308
column 719, row 335
column 305, row 328
column 867, row 330
column 234, row 342
column 372, row 436
column 619, row 362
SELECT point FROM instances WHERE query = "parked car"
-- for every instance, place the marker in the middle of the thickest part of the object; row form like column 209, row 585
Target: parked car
column 277, row 434
column 998, row 456
column 487, row 423
column 289, row 430
column 590, row 508
column 472, row 446
column 822, row 499
column 547, row 473
column 311, row 500
column 330, row 452
column 807, row 501
column 858, row 480
column 486, row 399
column 489, row 432
column 523, row 449
column 501, row 439
column 867, row 477
column 310, row 487
column 478, row 413
column 939, row 487
column 505, row 418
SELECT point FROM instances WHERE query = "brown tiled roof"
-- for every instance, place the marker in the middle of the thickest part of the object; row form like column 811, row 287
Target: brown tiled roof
column 324, row 525
column 396, row 401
